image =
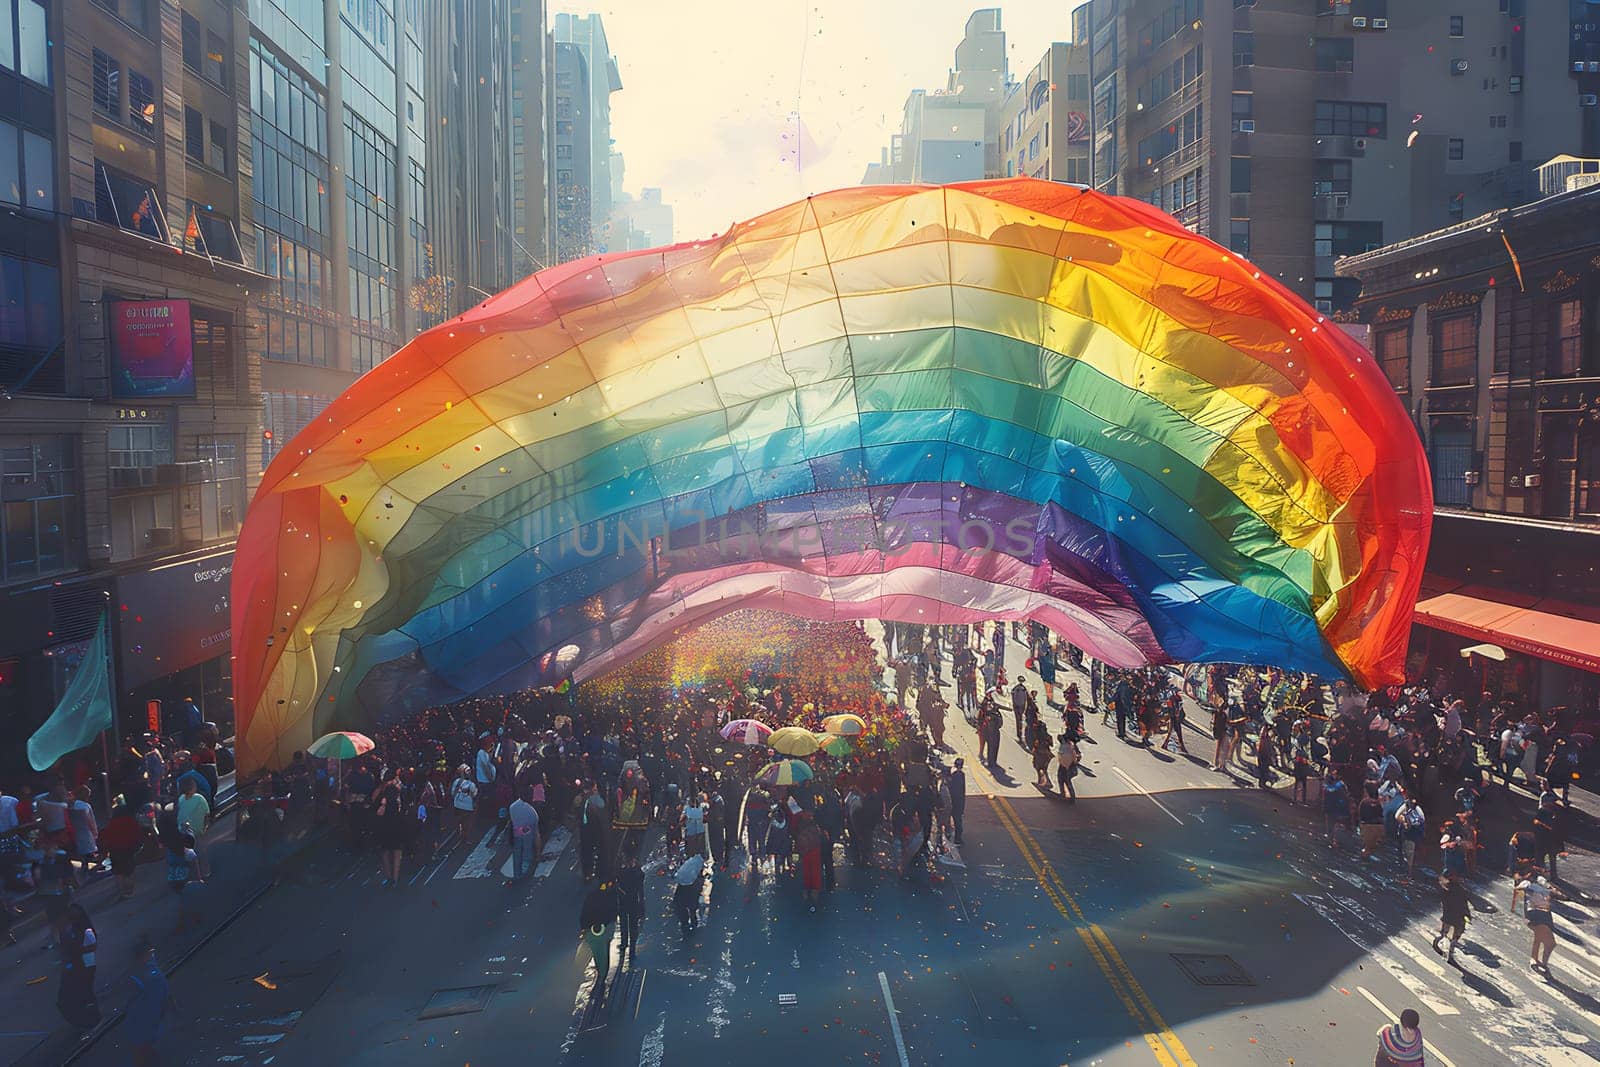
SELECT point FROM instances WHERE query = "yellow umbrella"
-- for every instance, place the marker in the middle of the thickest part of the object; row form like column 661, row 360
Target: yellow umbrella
column 833, row 745
column 793, row 741
column 845, row 725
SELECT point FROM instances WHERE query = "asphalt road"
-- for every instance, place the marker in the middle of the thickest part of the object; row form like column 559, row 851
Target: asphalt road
column 1056, row 943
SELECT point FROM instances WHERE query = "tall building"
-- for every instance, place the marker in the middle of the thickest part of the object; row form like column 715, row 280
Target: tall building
column 469, row 193
column 1044, row 123
column 130, row 347
column 950, row 134
column 571, row 164
column 1296, row 133
column 1488, row 331
column 585, row 77
column 531, row 220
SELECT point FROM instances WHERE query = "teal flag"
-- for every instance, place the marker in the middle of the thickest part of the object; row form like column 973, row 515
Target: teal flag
column 84, row 712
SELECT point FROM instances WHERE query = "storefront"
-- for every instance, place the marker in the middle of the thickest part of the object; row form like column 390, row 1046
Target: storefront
column 173, row 643
column 1552, row 648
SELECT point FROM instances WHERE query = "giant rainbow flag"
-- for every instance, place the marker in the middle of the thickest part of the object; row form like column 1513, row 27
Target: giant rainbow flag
column 938, row 404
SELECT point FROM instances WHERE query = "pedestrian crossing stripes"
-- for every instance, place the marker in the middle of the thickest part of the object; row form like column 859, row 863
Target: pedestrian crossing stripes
column 1506, row 1008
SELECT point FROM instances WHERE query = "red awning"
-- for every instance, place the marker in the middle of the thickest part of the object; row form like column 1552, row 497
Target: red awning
column 1548, row 629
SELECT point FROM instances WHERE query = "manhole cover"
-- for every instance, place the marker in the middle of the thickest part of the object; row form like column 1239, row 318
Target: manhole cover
column 463, row 1001
column 1212, row 970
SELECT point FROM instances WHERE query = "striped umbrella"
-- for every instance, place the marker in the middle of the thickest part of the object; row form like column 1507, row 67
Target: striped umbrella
column 341, row 745
column 784, row 772
column 746, row 732
column 845, row 725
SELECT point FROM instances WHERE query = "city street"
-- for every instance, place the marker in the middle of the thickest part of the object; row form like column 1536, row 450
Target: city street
column 1063, row 939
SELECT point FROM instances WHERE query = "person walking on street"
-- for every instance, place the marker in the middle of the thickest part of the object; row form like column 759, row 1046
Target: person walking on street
column 958, row 795
column 194, row 814
column 1019, row 704
column 1219, row 730
column 1067, row 759
column 1457, row 908
column 830, row 821
column 1536, row 893
column 686, row 894
column 596, row 920
column 1122, row 696
column 85, row 831
column 392, row 825
column 592, row 828
column 121, row 839
column 808, row 843
column 146, row 1016
column 524, row 836
column 75, row 998
column 630, row 906
column 464, row 800
column 1176, row 715
column 1369, row 816
column 1413, row 828
column 1400, row 1044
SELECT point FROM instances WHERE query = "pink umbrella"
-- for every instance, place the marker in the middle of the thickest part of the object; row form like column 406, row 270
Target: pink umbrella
column 746, row 732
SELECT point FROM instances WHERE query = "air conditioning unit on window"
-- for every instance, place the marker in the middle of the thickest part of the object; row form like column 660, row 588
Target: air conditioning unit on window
column 1247, row 125
column 1359, row 22
column 1359, row 144
column 1532, row 481
column 1458, row 66
column 1589, row 99
column 1380, row 24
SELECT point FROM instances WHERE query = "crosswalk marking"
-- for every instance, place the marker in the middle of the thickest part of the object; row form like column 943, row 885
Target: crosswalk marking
column 1538, row 1014
column 478, row 862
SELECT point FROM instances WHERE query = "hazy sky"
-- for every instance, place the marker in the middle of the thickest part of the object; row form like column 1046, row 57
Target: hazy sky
column 710, row 85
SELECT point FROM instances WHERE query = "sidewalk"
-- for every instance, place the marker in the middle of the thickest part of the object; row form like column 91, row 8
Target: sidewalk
column 33, row 1034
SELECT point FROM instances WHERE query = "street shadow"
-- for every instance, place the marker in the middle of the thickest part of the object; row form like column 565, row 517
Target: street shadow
column 1480, row 984
column 1582, row 1000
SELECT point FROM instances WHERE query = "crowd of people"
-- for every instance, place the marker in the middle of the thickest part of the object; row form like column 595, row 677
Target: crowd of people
column 1401, row 768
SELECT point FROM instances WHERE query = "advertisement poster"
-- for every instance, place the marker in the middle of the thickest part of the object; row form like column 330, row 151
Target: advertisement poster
column 152, row 349
column 174, row 617
column 1077, row 128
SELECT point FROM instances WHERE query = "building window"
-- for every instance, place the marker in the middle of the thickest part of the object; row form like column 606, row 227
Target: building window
column 1458, row 26
column 134, row 451
column 12, row 180
column 217, row 150
column 214, row 64
column 1457, row 208
column 1457, row 149
column 1455, row 349
column 194, row 135
column 128, row 203
column 1239, row 236
column 30, row 309
column 563, row 151
column 191, row 42
column 141, row 103
column 141, row 525
column 1336, row 54
column 1330, row 177
column 39, row 488
column 1514, row 151
column 130, row 11
column 1568, row 354
column 213, row 353
column 216, row 486
column 1239, row 180
column 27, row 168
column 1394, row 355
column 1341, row 118
column 107, row 85
column 26, row 50
column 1244, row 49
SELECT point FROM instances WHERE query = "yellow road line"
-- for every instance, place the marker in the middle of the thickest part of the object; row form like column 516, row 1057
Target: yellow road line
column 1117, row 973
column 1163, row 1057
